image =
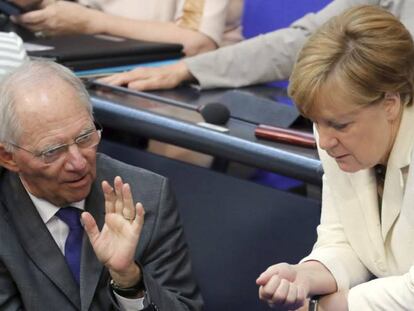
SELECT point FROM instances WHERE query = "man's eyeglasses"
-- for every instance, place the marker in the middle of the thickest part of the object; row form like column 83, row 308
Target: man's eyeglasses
column 86, row 140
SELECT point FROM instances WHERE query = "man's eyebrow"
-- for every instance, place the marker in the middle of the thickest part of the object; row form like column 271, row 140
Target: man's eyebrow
column 86, row 130
column 57, row 144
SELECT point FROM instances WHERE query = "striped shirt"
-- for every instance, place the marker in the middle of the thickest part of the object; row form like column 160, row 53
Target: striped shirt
column 12, row 52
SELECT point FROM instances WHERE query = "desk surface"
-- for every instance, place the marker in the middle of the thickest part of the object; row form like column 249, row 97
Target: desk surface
column 175, row 122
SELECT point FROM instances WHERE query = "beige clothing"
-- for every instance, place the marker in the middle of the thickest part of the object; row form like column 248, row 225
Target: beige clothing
column 218, row 19
column 271, row 56
column 352, row 241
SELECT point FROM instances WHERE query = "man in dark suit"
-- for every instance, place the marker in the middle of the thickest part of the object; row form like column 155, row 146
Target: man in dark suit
column 51, row 171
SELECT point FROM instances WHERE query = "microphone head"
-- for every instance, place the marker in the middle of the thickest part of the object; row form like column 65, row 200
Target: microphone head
column 215, row 113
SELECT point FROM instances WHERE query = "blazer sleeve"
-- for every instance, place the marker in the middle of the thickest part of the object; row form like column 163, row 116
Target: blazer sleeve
column 238, row 65
column 166, row 262
column 388, row 293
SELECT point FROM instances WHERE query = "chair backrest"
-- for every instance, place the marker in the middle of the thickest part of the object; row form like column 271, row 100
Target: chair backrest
column 261, row 16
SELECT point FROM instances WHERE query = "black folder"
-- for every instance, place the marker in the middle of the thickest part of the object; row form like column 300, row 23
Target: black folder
column 83, row 52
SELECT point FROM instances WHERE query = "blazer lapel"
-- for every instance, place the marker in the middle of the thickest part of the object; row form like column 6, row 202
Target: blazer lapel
column 400, row 158
column 36, row 239
column 91, row 267
column 392, row 199
column 365, row 188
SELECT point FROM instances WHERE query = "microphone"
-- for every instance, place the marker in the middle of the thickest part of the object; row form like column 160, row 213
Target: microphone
column 214, row 113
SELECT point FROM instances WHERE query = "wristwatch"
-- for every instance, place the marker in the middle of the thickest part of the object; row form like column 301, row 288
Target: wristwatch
column 128, row 292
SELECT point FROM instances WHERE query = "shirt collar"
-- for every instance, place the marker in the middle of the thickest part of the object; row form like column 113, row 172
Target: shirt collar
column 47, row 210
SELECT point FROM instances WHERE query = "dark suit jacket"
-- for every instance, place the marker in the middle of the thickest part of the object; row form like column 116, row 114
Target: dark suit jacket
column 34, row 275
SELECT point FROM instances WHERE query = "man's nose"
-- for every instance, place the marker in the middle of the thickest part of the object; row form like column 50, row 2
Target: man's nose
column 75, row 160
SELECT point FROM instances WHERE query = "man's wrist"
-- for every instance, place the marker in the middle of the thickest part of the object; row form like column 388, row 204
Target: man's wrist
column 128, row 277
column 135, row 291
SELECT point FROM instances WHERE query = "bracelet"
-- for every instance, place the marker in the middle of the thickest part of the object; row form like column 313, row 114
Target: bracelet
column 313, row 304
column 128, row 292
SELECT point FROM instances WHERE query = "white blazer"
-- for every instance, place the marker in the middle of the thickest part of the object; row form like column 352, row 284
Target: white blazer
column 352, row 241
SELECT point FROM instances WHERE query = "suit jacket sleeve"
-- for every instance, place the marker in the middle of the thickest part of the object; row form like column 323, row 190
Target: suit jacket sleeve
column 389, row 293
column 264, row 58
column 166, row 263
column 9, row 295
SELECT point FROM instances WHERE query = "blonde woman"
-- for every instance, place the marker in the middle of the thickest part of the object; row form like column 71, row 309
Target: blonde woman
column 354, row 79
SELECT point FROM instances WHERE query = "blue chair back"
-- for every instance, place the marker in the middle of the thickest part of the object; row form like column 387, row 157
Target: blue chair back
column 261, row 16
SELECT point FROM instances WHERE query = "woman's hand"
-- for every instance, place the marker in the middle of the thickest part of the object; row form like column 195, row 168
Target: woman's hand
column 282, row 286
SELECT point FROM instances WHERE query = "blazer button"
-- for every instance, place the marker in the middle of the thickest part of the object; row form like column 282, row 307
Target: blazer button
column 381, row 266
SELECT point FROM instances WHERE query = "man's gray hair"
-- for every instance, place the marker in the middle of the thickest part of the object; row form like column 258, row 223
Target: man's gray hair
column 25, row 77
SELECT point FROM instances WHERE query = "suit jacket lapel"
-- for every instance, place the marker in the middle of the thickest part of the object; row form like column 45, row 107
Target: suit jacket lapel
column 91, row 268
column 36, row 239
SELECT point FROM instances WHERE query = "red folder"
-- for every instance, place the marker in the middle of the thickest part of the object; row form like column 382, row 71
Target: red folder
column 283, row 135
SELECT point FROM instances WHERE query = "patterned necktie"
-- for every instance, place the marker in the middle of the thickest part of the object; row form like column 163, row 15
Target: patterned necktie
column 71, row 216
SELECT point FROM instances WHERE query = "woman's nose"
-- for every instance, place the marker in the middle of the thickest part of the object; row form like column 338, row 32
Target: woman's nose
column 327, row 139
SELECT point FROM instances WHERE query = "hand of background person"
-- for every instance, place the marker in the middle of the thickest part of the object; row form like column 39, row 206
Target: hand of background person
column 283, row 287
column 142, row 79
column 29, row 4
column 57, row 18
column 116, row 243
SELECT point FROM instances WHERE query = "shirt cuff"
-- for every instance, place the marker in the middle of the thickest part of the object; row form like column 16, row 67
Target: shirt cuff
column 128, row 304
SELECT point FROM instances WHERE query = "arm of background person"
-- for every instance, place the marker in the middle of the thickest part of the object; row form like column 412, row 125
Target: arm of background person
column 63, row 17
column 12, row 52
column 264, row 58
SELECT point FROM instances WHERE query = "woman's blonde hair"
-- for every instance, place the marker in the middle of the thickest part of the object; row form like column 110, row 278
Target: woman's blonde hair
column 367, row 49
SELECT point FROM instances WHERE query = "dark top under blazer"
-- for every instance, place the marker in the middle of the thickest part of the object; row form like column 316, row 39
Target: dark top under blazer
column 34, row 275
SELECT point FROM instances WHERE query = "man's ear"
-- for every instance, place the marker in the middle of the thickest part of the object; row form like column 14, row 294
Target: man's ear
column 6, row 159
column 393, row 106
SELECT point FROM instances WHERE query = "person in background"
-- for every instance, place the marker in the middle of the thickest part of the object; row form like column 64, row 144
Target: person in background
column 354, row 79
column 51, row 178
column 265, row 58
column 12, row 52
column 200, row 25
